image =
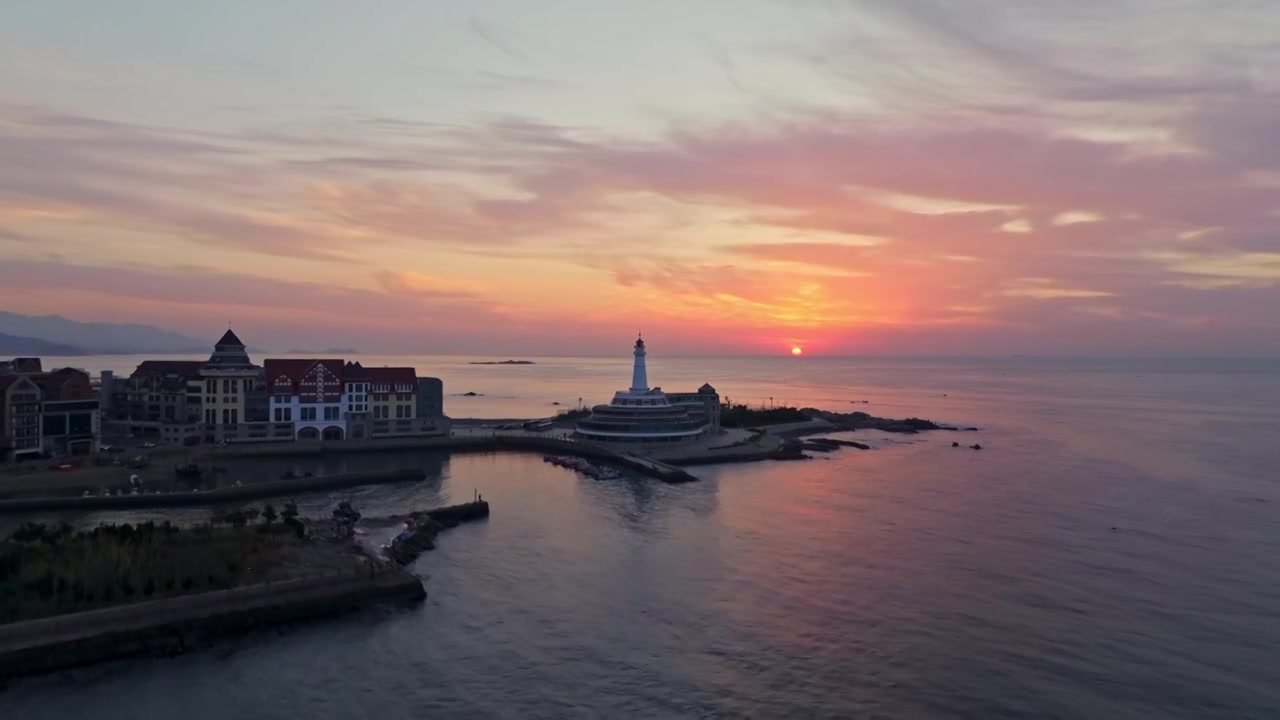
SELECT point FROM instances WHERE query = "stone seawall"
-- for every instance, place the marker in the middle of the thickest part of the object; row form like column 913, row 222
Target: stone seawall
column 480, row 443
column 217, row 496
column 172, row 625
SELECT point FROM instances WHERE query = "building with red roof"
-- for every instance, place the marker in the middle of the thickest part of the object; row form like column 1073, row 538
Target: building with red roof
column 329, row 399
column 310, row 393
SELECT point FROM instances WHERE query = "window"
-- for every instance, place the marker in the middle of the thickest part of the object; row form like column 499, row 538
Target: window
column 308, row 413
column 226, row 416
column 235, row 416
column 210, row 386
column 288, row 414
column 235, row 386
column 332, row 413
column 279, row 414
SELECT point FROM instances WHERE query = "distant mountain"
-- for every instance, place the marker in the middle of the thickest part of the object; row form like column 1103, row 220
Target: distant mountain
column 18, row 346
column 101, row 338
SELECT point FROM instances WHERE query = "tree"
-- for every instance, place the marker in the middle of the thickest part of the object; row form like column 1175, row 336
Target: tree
column 251, row 514
column 290, row 510
column 236, row 518
column 269, row 514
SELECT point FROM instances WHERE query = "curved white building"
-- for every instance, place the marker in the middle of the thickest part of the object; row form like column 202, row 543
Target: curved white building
column 646, row 415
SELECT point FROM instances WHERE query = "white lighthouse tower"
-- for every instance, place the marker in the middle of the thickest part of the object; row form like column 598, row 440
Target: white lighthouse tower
column 641, row 414
column 639, row 378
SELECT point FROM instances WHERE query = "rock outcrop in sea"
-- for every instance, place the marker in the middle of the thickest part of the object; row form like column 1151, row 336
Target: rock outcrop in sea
column 865, row 421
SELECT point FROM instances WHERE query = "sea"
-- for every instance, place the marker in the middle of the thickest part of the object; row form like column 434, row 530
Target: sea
column 1112, row 552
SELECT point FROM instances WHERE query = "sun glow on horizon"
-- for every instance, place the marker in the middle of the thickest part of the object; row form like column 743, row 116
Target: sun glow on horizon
column 797, row 350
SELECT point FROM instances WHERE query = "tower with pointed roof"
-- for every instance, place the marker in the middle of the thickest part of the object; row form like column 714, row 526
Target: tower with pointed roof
column 232, row 386
column 229, row 354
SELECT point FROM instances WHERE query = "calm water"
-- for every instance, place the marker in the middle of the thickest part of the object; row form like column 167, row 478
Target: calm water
column 1113, row 552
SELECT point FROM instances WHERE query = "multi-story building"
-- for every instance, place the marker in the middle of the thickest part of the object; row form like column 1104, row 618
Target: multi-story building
column 328, row 399
column 229, row 399
column 46, row 413
column 160, row 392
column 19, row 418
column 393, row 393
column 229, row 379
column 430, row 397
column 706, row 400
column 309, row 393
column 70, row 418
column 356, row 384
column 192, row 401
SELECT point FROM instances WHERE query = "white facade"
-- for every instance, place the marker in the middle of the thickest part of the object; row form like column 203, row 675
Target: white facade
column 310, row 395
column 318, row 416
column 356, row 397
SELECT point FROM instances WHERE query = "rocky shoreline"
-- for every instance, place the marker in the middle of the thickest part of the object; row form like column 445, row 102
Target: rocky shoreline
column 865, row 421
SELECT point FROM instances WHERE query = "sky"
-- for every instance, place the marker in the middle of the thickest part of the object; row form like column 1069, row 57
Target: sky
column 881, row 177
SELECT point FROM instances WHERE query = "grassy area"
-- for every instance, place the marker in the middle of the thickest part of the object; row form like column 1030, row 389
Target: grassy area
column 54, row 570
column 743, row 416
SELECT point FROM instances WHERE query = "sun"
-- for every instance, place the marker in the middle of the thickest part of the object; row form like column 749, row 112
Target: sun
column 797, row 350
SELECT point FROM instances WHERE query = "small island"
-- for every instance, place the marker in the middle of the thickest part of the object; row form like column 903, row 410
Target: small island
column 502, row 362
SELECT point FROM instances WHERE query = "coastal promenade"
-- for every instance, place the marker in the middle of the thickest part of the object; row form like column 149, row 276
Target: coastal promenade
column 217, row 496
column 51, row 490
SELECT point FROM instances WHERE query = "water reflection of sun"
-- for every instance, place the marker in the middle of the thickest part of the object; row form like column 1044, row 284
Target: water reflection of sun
column 797, row 350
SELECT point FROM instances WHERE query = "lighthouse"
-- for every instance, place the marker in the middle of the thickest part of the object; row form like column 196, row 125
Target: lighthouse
column 641, row 414
column 639, row 378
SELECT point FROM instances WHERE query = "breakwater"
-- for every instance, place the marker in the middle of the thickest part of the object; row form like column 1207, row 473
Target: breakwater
column 429, row 523
column 217, row 496
column 663, row 471
column 173, row 625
